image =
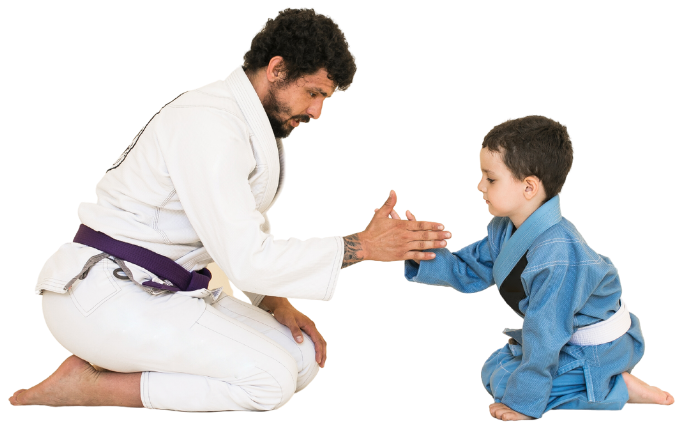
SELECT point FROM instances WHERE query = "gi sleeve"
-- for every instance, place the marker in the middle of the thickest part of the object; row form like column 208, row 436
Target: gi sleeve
column 553, row 294
column 468, row 270
column 209, row 157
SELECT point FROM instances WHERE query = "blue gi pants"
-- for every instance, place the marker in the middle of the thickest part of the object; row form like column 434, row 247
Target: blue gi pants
column 568, row 391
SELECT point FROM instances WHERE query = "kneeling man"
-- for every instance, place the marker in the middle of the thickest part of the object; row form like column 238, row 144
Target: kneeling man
column 130, row 293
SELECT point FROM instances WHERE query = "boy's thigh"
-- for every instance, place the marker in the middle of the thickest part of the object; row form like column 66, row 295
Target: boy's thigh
column 131, row 330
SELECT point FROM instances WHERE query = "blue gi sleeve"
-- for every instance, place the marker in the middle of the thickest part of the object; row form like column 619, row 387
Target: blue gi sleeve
column 554, row 292
column 468, row 270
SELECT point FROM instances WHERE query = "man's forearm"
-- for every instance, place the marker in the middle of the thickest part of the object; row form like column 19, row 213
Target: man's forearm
column 353, row 250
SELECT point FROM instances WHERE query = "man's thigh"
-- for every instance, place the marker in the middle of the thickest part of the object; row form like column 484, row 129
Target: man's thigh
column 264, row 323
column 116, row 325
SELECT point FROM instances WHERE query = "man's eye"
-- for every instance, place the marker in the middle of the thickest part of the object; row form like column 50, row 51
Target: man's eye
column 312, row 94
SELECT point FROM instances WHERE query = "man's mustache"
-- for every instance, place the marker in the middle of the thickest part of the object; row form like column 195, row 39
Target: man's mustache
column 301, row 118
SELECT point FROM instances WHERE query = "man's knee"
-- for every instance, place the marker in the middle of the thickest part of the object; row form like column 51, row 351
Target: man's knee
column 307, row 368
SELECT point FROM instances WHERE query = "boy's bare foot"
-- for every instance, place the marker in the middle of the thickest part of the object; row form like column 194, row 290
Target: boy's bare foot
column 640, row 392
column 77, row 383
column 502, row 412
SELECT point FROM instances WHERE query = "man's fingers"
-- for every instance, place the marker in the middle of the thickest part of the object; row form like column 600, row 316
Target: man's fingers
column 389, row 204
column 422, row 245
column 428, row 236
column 426, row 225
column 393, row 214
column 295, row 331
column 320, row 345
column 417, row 255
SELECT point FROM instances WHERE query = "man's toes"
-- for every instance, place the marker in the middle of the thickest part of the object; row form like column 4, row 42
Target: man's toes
column 14, row 399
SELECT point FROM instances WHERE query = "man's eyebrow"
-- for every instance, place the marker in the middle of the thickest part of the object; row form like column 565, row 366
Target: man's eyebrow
column 319, row 90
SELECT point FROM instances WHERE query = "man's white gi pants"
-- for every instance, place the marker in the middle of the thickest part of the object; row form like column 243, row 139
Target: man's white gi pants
column 194, row 356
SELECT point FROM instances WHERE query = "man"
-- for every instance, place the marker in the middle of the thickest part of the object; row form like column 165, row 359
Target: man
column 130, row 293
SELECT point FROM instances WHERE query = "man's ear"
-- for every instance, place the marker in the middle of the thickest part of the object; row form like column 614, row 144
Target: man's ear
column 275, row 70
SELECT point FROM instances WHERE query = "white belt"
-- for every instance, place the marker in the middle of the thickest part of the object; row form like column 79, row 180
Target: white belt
column 604, row 331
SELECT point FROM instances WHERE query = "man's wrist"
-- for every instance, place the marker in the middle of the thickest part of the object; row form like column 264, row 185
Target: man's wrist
column 353, row 249
column 270, row 303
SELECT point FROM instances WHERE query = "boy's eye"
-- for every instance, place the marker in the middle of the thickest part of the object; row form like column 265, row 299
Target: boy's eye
column 490, row 180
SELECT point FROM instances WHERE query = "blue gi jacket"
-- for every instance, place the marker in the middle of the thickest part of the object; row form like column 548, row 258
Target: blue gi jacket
column 567, row 286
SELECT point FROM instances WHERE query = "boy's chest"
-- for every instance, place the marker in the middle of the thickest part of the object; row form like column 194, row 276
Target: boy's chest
column 512, row 289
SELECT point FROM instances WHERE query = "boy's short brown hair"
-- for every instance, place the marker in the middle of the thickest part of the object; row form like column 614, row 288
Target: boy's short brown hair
column 534, row 146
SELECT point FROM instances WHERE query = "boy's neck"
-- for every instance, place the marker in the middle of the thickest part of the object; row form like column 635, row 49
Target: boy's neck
column 524, row 213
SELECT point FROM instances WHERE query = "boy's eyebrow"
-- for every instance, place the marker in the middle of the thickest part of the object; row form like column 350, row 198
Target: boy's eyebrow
column 486, row 171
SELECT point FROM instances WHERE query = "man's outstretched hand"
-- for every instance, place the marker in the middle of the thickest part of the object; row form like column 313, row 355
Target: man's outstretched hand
column 409, row 215
column 392, row 239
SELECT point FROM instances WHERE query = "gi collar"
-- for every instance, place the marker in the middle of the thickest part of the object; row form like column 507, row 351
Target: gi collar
column 269, row 152
column 517, row 244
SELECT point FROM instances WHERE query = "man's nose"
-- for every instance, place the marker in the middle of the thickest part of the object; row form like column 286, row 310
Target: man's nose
column 314, row 110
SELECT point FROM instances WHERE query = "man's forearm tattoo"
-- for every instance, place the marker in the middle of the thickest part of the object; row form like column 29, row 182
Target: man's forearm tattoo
column 352, row 247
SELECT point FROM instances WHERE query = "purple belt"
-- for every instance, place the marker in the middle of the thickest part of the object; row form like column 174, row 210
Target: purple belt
column 165, row 268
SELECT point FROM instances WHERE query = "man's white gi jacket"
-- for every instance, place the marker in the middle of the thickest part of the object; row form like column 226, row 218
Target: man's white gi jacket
column 194, row 186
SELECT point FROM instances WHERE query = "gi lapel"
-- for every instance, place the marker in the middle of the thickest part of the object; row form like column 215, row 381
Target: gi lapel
column 515, row 247
column 257, row 120
column 280, row 147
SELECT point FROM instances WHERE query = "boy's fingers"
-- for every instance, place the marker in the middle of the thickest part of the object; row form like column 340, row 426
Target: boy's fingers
column 410, row 216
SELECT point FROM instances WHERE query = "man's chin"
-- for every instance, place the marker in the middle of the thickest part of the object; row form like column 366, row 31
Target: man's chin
column 280, row 129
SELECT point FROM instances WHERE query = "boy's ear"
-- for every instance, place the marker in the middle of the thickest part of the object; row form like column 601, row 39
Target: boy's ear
column 532, row 187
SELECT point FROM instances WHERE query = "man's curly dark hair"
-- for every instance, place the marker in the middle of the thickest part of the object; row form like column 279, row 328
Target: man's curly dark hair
column 307, row 42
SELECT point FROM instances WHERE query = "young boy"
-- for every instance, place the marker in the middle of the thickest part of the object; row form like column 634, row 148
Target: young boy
column 578, row 342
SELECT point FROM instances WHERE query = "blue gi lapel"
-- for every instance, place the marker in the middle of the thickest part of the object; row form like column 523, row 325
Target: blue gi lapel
column 515, row 247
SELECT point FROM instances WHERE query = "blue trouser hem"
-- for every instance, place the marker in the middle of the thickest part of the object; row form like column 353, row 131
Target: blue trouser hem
column 568, row 390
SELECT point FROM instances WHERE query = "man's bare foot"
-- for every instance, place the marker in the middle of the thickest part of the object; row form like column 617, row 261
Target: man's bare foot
column 77, row 383
column 59, row 389
column 97, row 368
column 640, row 392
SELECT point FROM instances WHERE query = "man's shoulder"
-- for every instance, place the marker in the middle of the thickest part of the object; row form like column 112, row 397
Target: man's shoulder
column 216, row 95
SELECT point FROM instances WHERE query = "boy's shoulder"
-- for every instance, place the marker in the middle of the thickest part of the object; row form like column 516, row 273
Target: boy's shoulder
column 561, row 244
column 498, row 223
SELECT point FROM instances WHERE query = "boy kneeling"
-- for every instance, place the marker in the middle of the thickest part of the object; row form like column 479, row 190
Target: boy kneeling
column 578, row 343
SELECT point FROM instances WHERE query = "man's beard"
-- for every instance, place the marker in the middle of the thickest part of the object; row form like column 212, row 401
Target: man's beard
column 274, row 108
